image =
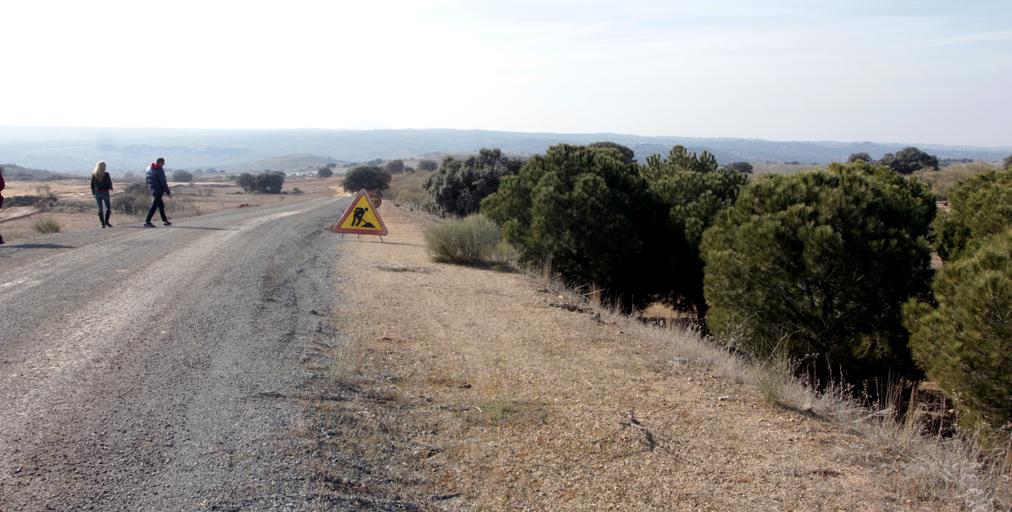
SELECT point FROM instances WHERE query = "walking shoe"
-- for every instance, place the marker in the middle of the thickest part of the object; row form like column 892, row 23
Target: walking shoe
column 108, row 225
column 148, row 225
column 103, row 226
column 167, row 223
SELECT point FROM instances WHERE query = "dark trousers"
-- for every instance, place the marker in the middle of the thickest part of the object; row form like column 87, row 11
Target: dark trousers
column 159, row 205
column 103, row 197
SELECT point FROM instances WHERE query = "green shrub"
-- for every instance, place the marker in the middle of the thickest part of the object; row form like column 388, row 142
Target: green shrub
column 470, row 240
column 621, row 151
column 324, row 172
column 693, row 191
column 395, row 166
column 270, row 182
column 742, row 167
column 182, row 176
column 584, row 209
column 820, row 264
column 980, row 206
column 965, row 342
column 247, row 182
column 366, row 177
column 460, row 185
column 908, row 160
column 267, row 182
column 47, row 225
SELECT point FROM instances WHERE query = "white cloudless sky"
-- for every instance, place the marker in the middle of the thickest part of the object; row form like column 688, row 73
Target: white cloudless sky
column 929, row 71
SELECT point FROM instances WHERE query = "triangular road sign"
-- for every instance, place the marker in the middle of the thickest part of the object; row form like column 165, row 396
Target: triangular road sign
column 361, row 217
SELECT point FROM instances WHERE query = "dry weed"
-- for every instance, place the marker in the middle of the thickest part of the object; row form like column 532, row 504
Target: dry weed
column 951, row 472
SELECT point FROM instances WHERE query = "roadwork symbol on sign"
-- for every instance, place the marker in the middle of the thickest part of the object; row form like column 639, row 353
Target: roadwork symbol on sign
column 361, row 217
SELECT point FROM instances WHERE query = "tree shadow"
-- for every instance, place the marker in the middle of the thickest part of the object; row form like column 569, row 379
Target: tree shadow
column 378, row 242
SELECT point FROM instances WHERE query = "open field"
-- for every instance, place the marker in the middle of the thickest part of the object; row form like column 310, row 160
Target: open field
column 71, row 204
column 762, row 168
column 946, row 177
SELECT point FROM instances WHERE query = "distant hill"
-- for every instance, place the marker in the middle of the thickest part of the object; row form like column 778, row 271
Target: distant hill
column 76, row 150
column 17, row 173
column 286, row 163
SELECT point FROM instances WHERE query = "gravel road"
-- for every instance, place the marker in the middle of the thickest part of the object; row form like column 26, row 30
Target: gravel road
column 146, row 369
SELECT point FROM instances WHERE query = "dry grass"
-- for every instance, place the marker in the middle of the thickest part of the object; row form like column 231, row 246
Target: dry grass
column 770, row 168
column 46, row 225
column 945, row 178
column 407, row 189
column 953, row 473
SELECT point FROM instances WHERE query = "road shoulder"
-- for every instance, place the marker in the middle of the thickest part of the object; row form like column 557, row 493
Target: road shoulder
column 472, row 388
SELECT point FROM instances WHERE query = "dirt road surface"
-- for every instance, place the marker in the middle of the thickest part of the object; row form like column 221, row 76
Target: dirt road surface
column 141, row 369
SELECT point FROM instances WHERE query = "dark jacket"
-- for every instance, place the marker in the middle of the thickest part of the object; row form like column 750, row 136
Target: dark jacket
column 155, row 177
column 103, row 185
column 2, row 185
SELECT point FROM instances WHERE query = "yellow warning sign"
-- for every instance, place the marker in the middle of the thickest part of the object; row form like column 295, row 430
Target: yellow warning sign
column 361, row 217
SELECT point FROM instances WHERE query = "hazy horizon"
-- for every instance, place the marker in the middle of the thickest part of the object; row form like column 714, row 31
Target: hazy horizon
column 170, row 129
column 912, row 71
column 77, row 149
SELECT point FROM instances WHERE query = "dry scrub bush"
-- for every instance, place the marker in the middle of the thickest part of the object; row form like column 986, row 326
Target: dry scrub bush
column 47, row 225
column 469, row 241
column 135, row 200
column 409, row 189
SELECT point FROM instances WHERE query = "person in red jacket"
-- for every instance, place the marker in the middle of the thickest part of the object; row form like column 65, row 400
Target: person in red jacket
column 2, row 184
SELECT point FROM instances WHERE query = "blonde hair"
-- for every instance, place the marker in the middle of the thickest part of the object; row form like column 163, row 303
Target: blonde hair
column 99, row 171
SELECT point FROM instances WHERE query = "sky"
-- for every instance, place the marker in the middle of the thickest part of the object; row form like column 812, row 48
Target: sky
column 928, row 71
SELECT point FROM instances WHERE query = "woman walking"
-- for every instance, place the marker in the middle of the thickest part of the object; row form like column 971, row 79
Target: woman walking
column 101, row 185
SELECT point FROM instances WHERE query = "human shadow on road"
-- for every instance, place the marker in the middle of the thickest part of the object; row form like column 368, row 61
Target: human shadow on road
column 180, row 227
column 202, row 227
column 36, row 246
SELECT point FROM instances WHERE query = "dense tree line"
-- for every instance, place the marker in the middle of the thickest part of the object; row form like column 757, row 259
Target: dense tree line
column 962, row 335
column 904, row 161
column 828, row 267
